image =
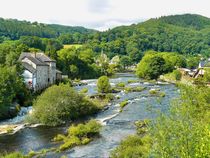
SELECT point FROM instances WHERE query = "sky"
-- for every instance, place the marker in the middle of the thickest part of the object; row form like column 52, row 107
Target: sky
column 98, row 14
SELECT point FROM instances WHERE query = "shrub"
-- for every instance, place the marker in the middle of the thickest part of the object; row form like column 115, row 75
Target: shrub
column 134, row 89
column 133, row 81
column 109, row 97
column 84, row 90
column 80, row 134
column 103, row 84
column 133, row 147
column 123, row 103
column 59, row 104
column 121, row 85
column 13, row 155
column 177, row 75
column 156, row 92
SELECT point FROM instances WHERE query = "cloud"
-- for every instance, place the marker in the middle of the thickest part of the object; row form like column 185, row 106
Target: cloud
column 98, row 14
column 99, row 6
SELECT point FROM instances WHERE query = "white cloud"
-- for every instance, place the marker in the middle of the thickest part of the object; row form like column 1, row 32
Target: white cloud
column 98, row 14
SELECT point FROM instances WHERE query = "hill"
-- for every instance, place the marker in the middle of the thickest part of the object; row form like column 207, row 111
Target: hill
column 186, row 34
column 187, row 20
column 14, row 29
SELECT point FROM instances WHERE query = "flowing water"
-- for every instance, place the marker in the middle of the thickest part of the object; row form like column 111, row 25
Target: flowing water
column 116, row 125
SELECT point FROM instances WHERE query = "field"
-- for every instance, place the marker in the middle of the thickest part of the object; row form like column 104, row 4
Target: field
column 72, row 45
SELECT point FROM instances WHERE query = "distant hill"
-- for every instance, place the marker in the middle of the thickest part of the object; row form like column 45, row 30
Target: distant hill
column 186, row 34
column 14, row 29
column 187, row 20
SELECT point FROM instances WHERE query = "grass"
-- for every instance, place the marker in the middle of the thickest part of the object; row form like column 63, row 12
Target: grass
column 66, row 46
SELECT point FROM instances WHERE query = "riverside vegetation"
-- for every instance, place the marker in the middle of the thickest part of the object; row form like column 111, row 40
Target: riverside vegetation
column 159, row 46
column 184, row 132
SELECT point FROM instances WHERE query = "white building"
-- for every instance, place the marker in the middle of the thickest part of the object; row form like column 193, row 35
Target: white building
column 39, row 70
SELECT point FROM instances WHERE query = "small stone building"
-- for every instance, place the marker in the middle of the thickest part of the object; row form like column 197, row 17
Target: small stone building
column 39, row 70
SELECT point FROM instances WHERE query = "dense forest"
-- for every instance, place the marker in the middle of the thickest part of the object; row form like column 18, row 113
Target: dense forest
column 186, row 34
column 14, row 29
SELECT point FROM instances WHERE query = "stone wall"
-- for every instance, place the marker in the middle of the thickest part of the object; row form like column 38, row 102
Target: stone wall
column 42, row 77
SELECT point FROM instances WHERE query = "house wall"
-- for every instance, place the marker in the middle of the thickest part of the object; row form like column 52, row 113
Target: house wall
column 42, row 77
column 29, row 79
column 52, row 72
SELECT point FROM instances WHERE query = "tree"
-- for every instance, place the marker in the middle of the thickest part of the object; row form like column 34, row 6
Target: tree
column 185, row 131
column 125, row 61
column 103, row 84
column 12, row 89
column 151, row 66
column 59, row 104
column 103, row 62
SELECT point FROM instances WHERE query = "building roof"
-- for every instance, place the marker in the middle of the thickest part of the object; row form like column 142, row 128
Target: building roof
column 58, row 72
column 43, row 57
column 29, row 67
column 36, row 58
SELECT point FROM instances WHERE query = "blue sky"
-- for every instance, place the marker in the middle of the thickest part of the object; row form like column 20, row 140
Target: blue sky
column 98, row 14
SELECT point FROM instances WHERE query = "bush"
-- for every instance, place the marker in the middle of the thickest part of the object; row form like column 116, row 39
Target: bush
column 133, row 81
column 134, row 89
column 80, row 134
column 123, row 103
column 103, row 84
column 185, row 131
column 121, row 85
column 59, row 104
column 13, row 155
column 177, row 75
column 84, row 90
column 109, row 97
column 133, row 147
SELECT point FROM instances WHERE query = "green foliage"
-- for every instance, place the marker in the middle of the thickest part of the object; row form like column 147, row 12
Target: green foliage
column 155, row 64
column 185, row 34
column 133, row 147
column 133, row 81
column 109, row 97
column 134, row 89
column 84, row 90
column 185, row 132
column 13, row 155
column 176, row 75
column 77, row 63
column 12, row 90
column 63, row 103
column 80, row 134
column 120, row 84
column 151, row 66
column 14, row 29
column 124, row 103
column 103, row 84
column 192, row 62
column 207, row 75
column 125, row 61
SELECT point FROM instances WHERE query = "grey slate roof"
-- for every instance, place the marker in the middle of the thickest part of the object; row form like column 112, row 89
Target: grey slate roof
column 38, row 58
column 43, row 57
column 28, row 67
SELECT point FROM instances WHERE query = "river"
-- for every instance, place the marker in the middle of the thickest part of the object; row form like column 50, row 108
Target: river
column 116, row 125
